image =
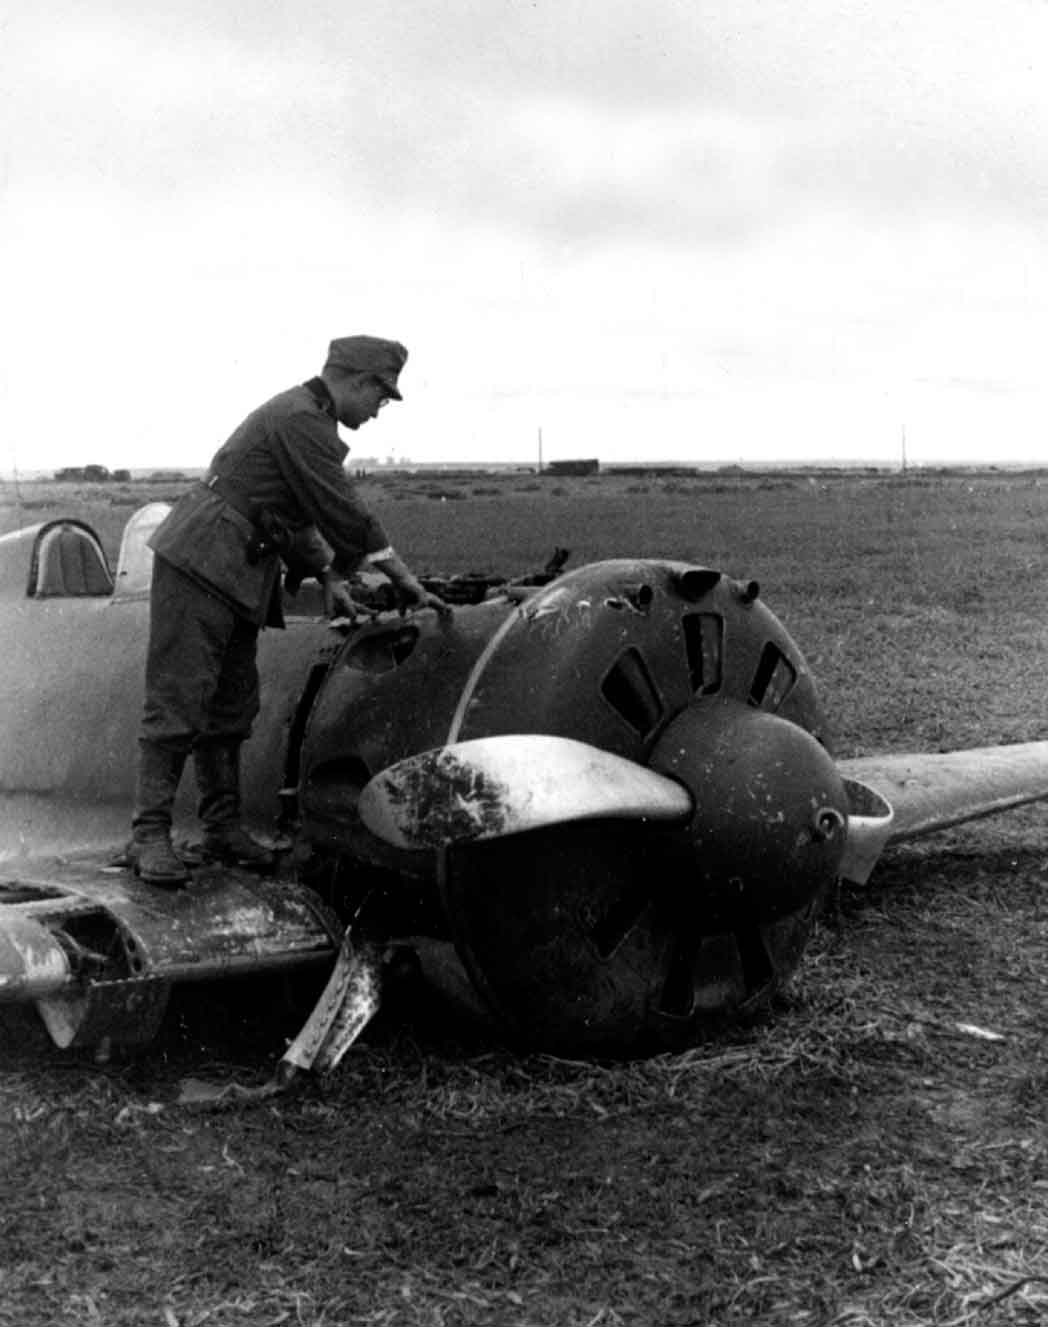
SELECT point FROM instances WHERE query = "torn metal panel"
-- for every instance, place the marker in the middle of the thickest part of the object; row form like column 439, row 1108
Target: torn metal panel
column 98, row 951
column 346, row 1005
column 224, row 921
column 32, row 962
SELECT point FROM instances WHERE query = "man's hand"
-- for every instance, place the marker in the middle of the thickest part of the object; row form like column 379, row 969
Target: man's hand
column 408, row 588
column 416, row 597
column 338, row 602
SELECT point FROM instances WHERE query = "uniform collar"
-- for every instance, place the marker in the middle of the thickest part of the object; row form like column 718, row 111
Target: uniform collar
column 318, row 389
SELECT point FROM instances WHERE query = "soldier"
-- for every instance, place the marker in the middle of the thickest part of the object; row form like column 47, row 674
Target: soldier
column 275, row 492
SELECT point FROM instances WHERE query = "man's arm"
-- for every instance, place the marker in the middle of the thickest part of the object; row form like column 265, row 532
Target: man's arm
column 325, row 492
column 410, row 591
column 311, row 468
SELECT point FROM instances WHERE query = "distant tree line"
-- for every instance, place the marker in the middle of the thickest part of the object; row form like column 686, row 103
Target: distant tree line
column 97, row 474
column 101, row 474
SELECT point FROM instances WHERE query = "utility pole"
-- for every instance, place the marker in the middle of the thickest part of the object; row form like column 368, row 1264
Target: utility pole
column 540, row 449
column 903, row 456
column 18, row 485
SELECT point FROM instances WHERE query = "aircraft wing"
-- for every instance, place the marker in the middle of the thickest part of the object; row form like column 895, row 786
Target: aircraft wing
column 900, row 797
column 97, row 950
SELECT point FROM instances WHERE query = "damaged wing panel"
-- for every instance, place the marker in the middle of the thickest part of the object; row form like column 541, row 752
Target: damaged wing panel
column 87, row 945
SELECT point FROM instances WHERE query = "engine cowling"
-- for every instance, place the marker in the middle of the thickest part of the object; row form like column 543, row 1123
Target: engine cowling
column 615, row 935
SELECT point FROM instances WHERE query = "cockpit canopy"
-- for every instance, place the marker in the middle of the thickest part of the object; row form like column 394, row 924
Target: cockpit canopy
column 64, row 559
column 68, row 561
column 60, row 558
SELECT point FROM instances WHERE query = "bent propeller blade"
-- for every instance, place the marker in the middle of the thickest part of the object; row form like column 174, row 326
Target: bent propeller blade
column 907, row 795
column 495, row 786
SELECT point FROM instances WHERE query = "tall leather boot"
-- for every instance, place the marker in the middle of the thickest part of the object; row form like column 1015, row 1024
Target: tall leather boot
column 225, row 839
column 150, row 851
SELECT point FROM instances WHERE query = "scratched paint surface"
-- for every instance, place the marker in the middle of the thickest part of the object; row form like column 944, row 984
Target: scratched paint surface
column 441, row 798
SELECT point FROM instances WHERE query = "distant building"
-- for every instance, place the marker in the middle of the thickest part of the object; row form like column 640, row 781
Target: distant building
column 587, row 467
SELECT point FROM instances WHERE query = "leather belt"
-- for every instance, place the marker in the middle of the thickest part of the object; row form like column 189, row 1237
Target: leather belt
column 230, row 493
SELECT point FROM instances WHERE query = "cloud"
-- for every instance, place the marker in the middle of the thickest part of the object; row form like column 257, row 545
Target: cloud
column 740, row 208
column 566, row 122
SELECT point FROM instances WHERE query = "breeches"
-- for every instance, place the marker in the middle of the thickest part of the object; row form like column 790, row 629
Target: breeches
column 201, row 671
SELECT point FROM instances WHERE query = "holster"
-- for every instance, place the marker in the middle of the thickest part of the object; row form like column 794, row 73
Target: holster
column 299, row 549
column 272, row 535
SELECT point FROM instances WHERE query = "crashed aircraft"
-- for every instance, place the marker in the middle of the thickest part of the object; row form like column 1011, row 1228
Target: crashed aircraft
column 601, row 811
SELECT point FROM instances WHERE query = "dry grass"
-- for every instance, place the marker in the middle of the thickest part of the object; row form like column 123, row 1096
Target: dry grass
column 863, row 1157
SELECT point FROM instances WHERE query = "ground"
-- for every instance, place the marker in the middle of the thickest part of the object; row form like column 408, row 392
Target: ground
column 872, row 1151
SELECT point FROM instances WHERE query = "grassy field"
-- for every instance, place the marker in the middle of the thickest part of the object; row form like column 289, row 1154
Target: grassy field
column 865, row 1155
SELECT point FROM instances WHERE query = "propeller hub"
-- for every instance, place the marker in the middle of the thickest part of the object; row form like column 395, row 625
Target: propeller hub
column 769, row 825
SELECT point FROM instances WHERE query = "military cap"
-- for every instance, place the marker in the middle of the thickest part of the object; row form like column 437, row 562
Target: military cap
column 369, row 354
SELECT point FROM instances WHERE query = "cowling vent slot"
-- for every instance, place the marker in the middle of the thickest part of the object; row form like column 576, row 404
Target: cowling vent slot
column 629, row 689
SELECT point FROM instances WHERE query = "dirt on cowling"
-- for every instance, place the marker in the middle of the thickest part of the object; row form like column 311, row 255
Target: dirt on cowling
column 872, row 1150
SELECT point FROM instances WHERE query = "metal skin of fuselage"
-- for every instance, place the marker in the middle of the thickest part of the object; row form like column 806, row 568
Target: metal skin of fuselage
column 593, row 926
column 71, row 695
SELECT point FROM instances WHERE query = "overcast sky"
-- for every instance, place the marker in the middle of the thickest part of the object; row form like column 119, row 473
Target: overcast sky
column 724, row 231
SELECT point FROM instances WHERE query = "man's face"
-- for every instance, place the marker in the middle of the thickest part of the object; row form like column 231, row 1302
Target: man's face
column 358, row 399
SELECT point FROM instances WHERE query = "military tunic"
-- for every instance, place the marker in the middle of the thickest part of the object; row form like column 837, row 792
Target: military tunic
column 216, row 582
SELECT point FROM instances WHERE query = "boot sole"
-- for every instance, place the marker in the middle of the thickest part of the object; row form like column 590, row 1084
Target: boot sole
column 259, row 868
column 164, row 881
column 224, row 857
